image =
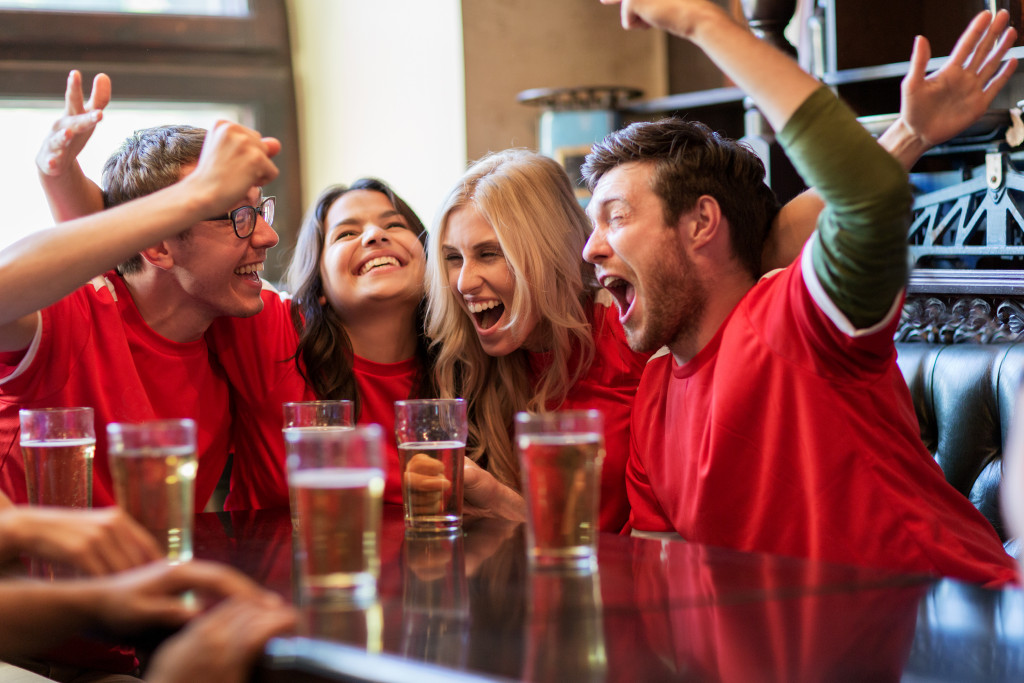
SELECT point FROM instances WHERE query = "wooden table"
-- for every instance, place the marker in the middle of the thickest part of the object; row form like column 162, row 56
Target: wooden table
column 469, row 608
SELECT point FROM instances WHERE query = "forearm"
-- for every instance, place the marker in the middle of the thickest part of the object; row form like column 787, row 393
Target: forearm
column 859, row 250
column 35, row 615
column 71, row 194
column 774, row 81
column 46, row 266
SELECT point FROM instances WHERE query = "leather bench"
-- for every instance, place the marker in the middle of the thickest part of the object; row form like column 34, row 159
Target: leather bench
column 964, row 396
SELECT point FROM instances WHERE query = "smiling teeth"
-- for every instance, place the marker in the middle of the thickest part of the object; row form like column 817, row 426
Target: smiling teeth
column 379, row 261
column 251, row 268
column 481, row 307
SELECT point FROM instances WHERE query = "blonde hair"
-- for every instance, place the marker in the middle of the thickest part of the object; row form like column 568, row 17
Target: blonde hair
column 529, row 202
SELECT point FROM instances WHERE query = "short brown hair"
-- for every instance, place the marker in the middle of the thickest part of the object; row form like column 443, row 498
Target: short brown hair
column 691, row 160
column 149, row 160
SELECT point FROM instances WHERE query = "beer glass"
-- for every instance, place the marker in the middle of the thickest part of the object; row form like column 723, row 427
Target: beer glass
column 58, row 446
column 312, row 416
column 431, row 436
column 560, row 456
column 153, row 465
column 337, row 482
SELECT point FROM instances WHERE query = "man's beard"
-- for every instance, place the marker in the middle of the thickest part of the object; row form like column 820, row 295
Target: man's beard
column 673, row 312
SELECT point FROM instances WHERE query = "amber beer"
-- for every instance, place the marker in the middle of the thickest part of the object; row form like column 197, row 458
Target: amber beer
column 58, row 446
column 157, row 488
column 438, row 504
column 340, row 513
column 336, row 480
column 431, row 436
column 560, row 457
column 59, row 472
column 153, row 465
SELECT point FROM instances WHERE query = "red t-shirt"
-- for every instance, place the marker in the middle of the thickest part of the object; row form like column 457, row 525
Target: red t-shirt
column 609, row 386
column 786, row 435
column 94, row 349
column 256, row 354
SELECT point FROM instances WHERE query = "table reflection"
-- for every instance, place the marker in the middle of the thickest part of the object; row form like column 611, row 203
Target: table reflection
column 654, row 610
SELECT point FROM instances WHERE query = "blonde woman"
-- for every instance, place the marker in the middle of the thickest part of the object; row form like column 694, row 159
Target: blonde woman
column 514, row 316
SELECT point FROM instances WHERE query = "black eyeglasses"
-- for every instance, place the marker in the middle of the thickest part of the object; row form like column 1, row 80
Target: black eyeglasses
column 243, row 219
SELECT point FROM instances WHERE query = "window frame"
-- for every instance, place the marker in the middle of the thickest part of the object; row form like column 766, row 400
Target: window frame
column 232, row 60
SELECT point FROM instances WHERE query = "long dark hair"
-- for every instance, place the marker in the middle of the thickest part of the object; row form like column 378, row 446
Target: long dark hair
column 324, row 355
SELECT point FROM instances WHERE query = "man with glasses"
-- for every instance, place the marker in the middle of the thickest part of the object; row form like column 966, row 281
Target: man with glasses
column 130, row 342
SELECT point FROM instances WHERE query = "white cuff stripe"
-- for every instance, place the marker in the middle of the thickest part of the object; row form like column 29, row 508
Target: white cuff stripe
column 829, row 308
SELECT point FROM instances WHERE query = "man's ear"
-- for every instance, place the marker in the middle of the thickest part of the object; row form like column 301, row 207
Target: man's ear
column 703, row 222
column 158, row 255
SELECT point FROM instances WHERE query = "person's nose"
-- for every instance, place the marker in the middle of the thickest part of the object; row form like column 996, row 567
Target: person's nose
column 263, row 235
column 596, row 248
column 469, row 279
column 374, row 234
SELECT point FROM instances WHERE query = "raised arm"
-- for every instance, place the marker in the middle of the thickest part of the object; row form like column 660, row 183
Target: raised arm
column 933, row 109
column 859, row 250
column 69, row 192
column 770, row 78
column 46, row 266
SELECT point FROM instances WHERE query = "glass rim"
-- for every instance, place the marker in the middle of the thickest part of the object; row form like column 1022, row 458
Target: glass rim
column 324, row 432
column 159, row 423
column 72, row 409
column 524, row 417
column 325, row 402
column 430, row 401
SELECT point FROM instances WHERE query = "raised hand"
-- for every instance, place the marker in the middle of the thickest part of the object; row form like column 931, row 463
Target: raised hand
column 233, row 160
column 936, row 107
column 675, row 16
column 74, row 128
column 100, row 541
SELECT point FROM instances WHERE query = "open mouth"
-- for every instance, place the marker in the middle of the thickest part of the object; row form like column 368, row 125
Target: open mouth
column 250, row 272
column 621, row 291
column 486, row 313
column 379, row 262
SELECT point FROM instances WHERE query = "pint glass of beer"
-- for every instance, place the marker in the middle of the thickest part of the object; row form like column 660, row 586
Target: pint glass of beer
column 431, row 435
column 153, row 465
column 336, row 477
column 58, row 445
column 560, row 456
column 306, row 416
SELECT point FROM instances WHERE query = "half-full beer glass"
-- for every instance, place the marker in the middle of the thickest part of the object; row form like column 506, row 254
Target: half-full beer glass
column 560, row 456
column 153, row 465
column 311, row 416
column 337, row 482
column 57, row 446
column 431, row 436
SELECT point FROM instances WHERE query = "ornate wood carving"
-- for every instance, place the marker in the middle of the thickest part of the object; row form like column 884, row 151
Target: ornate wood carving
column 953, row 307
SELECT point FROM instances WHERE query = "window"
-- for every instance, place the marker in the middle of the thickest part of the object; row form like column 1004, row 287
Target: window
column 223, row 8
column 162, row 66
column 23, row 124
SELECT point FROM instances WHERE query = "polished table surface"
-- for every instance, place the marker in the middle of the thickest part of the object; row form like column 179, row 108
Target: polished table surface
column 468, row 607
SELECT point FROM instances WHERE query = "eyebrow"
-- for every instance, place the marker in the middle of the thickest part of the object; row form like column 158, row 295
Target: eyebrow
column 488, row 244
column 355, row 221
column 594, row 208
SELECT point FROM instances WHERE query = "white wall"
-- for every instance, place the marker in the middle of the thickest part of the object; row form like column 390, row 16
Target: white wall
column 380, row 92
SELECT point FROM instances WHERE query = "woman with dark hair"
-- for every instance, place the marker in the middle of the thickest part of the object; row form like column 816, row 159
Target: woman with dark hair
column 353, row 330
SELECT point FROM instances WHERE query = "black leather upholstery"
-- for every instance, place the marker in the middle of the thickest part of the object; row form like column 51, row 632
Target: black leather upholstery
column 964, row 397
